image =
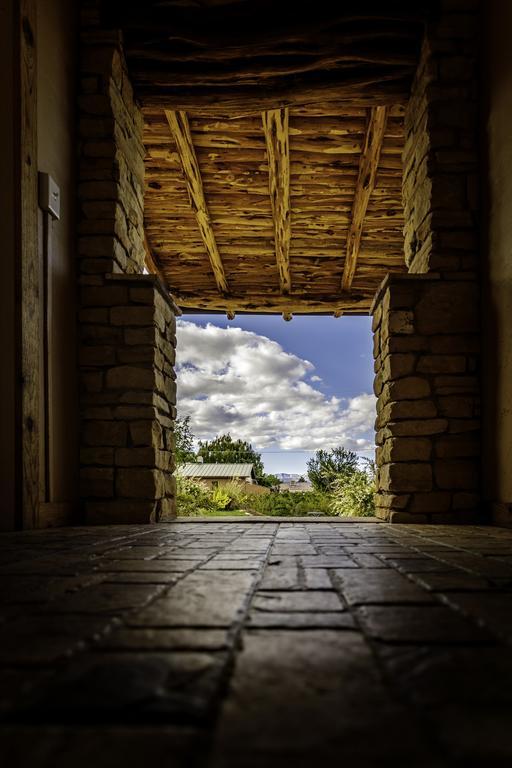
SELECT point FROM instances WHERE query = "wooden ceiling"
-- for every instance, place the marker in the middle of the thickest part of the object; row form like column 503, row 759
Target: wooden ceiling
column 274, row 140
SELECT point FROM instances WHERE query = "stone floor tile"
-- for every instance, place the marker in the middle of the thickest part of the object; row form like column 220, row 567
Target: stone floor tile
column 101, row 747
column 44, row 639
column 492, row 610
column 433, row 675
column 297, row 601
column 420, row 624
column 200, row 600
column 420, row 565
column 293, row 548
column 152, row 577
column 300, row 620
column 155, row 639
column 366, row 586
column 249, row 564
column 453, row 581
column 277, row 577
column 144, row 648
column 327, row 561
column 298, row 699
column 317, row 578
column 130, row 687
column 106, row 598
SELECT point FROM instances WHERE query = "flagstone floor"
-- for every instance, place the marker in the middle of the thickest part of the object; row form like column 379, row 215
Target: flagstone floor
column 243, row 644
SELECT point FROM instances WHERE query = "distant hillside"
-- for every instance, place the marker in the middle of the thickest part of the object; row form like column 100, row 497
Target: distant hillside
column 289, row 477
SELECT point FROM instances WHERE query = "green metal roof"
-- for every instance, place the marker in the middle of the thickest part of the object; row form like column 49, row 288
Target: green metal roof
column 226, row 471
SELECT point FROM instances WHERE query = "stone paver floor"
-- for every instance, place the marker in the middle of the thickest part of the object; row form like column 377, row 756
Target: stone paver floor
column 234, row 645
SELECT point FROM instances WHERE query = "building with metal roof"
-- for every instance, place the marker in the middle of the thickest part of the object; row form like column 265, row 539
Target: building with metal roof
column 200, row 471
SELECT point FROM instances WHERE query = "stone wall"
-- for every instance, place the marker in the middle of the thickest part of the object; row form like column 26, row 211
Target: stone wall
column 111, row 189
column 426, row 323
column 426, row 359
column 126, row 318
column 440, row 187
column 128, row 340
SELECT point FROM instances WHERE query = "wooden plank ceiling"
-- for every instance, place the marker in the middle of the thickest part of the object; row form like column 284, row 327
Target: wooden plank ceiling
column 273, row 169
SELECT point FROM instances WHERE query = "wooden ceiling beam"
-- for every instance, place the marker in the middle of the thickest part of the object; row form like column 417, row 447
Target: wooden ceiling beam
column 180, row 129
column 368, row 165
column 275, row 127
column 273, row 303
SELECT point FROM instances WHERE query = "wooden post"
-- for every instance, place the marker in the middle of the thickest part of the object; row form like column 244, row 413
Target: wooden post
column 28, row 277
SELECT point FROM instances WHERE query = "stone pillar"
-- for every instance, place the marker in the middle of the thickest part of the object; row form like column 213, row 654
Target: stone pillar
column 126, row 318
column 426, row 352
column 128, row 334
column 440, row 159
column 426, row 323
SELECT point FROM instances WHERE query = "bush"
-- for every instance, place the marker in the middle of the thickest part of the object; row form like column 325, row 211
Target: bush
column 287, row 504
column 352, row 494
column 237, row 495
column 192, row 497
column 325, row 467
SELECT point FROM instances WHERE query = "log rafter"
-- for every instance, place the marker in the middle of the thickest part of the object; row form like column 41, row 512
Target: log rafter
column 275, row 126
column 367, row 175
column 180, row 129
column 271, row 303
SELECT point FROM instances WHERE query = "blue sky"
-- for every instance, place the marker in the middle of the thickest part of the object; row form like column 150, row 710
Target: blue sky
column 287, row 387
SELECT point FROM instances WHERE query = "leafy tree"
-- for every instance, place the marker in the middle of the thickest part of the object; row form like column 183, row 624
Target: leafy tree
column 224, row 450
column 301, row 479
column 327, row 466
column 353, row 495
column 184, row 441
column 270, row 481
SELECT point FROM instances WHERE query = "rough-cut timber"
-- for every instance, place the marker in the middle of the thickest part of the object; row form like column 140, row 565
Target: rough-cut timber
column 29, row 315
column 325, row 145
column 239, row 57
column 275, row 126
column 368, row 166
column 178, row 123
column 272, row 302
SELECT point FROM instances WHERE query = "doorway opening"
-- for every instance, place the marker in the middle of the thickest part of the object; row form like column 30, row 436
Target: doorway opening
column 275, row 419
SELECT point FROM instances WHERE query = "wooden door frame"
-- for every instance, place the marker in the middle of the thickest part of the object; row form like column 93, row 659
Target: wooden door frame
column 27, row 268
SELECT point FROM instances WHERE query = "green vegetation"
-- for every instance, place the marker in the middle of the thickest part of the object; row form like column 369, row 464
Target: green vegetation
column 348, row 494
column 183, row 441
column 225, row 450
column 354, row 491
column 327, row 467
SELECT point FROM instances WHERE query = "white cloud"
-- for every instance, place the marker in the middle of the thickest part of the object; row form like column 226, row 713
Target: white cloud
column 237, row 381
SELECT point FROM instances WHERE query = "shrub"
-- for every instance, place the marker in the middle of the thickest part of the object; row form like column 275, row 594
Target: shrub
column 237, row 495
column 352, row 494
column 290, row 504
column 325, row 467
column 220, row 498
column 192, row 497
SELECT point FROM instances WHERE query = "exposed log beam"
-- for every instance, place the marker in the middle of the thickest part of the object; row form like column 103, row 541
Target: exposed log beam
column 368, row 165
column 150, row 260
column 364, row 89
column 180, row 129
column 275, row 127
column 273, row 303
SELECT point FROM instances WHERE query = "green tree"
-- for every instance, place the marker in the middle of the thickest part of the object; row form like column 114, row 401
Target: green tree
column 327, row 466
column 270, row 481
column 224, row 450
column 184, row 441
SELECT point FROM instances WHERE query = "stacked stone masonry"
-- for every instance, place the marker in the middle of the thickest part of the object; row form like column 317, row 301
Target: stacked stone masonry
column 426, row 349
column 126, row 319
column 111, row 189
column 440, row 157
column 128, row 340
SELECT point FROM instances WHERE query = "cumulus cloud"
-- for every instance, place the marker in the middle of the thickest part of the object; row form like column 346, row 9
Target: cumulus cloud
column 231, row 380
